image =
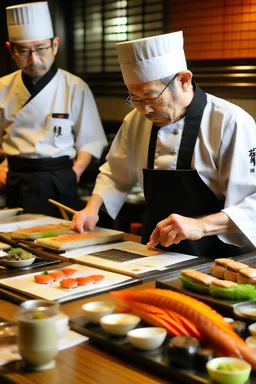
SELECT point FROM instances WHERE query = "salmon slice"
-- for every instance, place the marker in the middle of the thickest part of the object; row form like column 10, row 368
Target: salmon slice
column 209, row 323
column 97, row 278
column 57, row 275
column 69, row 283
column 69, row 271
column 85, row 280
column 44, row 278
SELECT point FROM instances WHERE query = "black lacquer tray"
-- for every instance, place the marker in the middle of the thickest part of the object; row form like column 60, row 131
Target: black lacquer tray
column 156, row 361
column 39, row 262
column 225, row 307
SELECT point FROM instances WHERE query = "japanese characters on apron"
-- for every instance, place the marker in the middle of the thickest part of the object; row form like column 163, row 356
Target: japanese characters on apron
column 182, row 191
column 31, row 182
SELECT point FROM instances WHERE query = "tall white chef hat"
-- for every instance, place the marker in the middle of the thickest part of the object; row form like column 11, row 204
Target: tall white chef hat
column 29, row 22
column 151, row 58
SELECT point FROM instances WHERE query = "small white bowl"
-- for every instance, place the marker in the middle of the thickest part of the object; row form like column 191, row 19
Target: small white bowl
column 119, row 323
column 62, row 325
column 251, row 341
column 252, row 329
column 228, row 370
column 95, row 310
column 147, row 338
column 18, row 263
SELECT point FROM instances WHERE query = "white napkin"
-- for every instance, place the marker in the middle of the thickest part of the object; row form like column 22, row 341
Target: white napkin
column 10, row 352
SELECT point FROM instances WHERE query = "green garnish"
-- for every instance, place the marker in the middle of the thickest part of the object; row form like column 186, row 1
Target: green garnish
column 38, row 315
column 48, row 234
column 228, row 367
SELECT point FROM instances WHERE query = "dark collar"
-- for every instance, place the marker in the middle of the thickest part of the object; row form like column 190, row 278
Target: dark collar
column 34, row 89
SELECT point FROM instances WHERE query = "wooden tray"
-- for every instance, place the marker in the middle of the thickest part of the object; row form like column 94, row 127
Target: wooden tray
column 41, row 231
column 172, row 282
column 156, row 360
column 97, row 236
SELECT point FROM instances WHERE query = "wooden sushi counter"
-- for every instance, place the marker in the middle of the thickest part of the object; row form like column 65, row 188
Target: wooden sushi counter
column 101, row 360
column 82, row 364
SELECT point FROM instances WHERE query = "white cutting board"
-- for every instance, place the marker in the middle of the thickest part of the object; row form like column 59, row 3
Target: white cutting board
column 26, row 284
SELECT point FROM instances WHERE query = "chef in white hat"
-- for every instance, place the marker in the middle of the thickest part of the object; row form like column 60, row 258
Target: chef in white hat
column 192, row 153
column 49, row 127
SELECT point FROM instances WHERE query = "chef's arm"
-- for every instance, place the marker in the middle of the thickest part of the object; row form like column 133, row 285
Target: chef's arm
column 3, row 173
column 88, row 217
column 176, row 228
column 82, row 161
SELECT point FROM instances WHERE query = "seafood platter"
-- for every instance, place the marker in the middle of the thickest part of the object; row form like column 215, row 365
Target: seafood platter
column 65, row 283
column 222, row 284
column 173, row 335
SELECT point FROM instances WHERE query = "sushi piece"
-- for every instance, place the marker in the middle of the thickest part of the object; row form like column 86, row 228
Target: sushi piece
column 247, row 276
column 232, row 269
column 196, row 281
column 69, row 283
column 219, row 266
column 182, row 351
column 97, row 278
column 57, row 275
column 69, row 271
column 44, row 278
column 203, row 355
column 240, row 327
column 85, row 280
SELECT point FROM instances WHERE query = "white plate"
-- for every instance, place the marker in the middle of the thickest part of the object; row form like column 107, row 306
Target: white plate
column 9, row 212
column 18, row 263
column 245, row 310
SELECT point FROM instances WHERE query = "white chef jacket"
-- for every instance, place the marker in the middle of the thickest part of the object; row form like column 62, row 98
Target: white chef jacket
column 223, row 157
column 30, row 131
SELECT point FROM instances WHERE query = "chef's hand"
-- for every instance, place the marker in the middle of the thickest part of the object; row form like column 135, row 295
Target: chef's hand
column 174, row 229
column 85, row 219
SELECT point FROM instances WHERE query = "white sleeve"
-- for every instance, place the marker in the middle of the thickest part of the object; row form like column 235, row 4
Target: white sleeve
column 238, row 170
column 89, row 133
column 116, row 176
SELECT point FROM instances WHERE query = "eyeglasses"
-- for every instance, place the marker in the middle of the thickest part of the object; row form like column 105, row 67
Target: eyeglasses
column 136, row 103
column 25, row 52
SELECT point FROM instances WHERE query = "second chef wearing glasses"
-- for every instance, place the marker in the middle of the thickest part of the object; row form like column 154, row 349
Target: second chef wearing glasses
column 193, row 154
column 49, row 127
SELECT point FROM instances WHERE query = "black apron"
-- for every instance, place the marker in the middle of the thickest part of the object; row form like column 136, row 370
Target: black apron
column 182, row 191
column 31, row 182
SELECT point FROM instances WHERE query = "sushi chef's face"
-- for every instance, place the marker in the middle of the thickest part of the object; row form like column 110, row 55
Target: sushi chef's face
column 34, row 58
column 172, row 103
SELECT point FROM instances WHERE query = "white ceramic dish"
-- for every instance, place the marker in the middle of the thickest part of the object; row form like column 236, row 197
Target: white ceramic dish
column 9, row 212
column 147, row 338
column 18, row 263
column 228, row 370
column 252, row 329
column 62, row 325
column 245, row 310
column 251, row 341
column 95, row 310
column 119, row 323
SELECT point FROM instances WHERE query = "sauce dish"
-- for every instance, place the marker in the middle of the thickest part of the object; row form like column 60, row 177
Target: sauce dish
column 147, row 338
column 95, row 310
column 228, row 370
column 119, row 323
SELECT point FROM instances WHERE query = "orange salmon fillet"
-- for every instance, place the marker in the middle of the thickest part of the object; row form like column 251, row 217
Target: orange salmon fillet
column 44, row 228
column 74, row 237
column 209, row 323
